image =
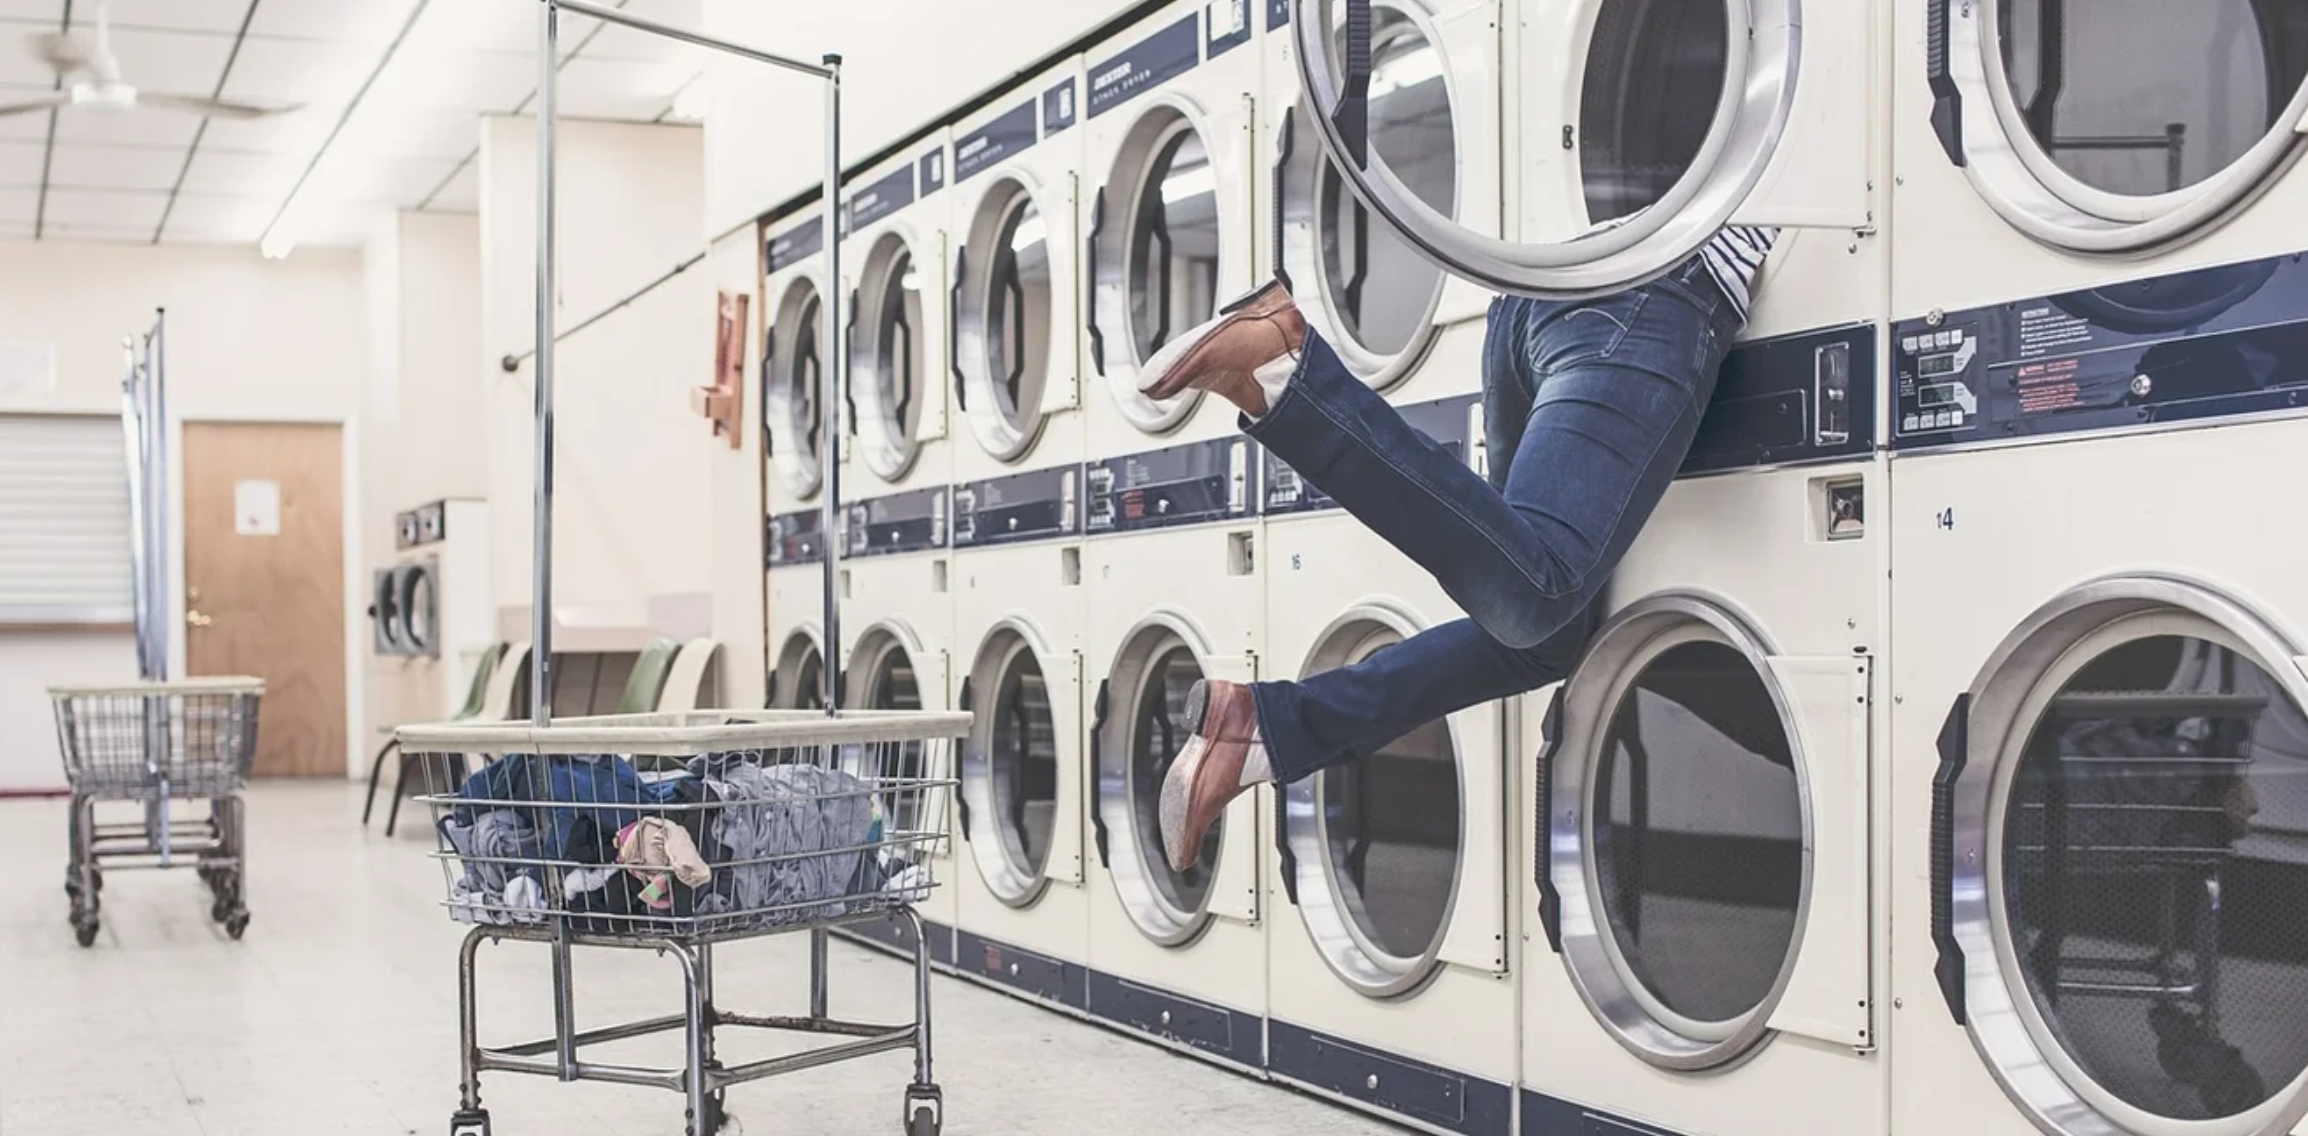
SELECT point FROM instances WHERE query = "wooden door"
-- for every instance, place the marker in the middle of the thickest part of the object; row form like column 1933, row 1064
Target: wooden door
column 264, row 581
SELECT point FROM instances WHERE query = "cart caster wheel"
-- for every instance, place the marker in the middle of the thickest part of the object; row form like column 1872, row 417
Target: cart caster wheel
column 470, row 1122
column 236, row 924
column 85, row 932
column 2226, row 1084
column 925, row 1110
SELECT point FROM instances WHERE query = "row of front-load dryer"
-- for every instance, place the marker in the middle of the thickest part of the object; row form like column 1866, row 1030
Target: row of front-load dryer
column 1936, row 768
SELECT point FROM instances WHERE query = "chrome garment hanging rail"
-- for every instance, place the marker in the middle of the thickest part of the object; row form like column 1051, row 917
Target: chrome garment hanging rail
column 828, row 69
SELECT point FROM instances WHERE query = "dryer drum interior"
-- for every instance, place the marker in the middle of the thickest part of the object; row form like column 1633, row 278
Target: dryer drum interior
column 1005, row 295
column 1378, row 841
column 419, row 608
column 1379, row 293
column 1156, row 260
column 2129, row 124
column 798, row 682
column 1680, row 814
column 2142, row 776
column 391, row 628
column 1011, row 777
column 795, row 382
column 891, row 355
column 1661, row 116
column 1144, row 728
column 883, row 671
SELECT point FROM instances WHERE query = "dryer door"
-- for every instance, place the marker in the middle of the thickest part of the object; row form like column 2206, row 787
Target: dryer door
column 2120, row 901
column 419, row 590
column 897, row 400
column 1395, row 862
column 1018, row 793
column 795, row 357
column 1704, row 846
column 2119, row 126
column 889, row 669
column 1634, row 131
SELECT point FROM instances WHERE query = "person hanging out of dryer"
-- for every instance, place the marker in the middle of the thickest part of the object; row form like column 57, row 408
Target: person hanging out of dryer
column 1590, row 407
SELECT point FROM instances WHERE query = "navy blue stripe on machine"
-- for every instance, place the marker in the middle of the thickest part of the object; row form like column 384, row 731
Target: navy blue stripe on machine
column 804, row 240
column 1022, row 971
column 1145, row 65
column 1414, row 1090
column 896, row 936
column 987, row 146
column 793, row 538
column 1195, row 483
column 1546, row 1116
column 1044, row 504
column 1230, row 26
column 888, row 194
column 2209, row 344
column 1215, row 1030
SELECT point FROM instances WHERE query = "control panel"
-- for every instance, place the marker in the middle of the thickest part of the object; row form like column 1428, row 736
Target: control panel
column 1041, row 505
column 899, row 523
column 1800, row 398
column 1455, row 424
column 1191, row 484
column 2207, row 344
column 793, row 538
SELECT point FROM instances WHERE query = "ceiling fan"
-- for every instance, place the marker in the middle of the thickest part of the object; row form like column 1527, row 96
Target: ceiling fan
column 88, row 75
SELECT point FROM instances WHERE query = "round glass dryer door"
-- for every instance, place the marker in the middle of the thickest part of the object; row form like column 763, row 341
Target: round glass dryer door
column 391, row 631
column 798, row 683
column 793, row 365
column 1377, row 841
column 1376, row 294
column 2138, row 777
column 1143, row 728
column 1682, row 878
column 1005, row 295
column 882, row 677
column 1010, row 771
column 1667, row 111
column 2127, row 125
column 889, row 358
column 420, row 608
column 1156, row 256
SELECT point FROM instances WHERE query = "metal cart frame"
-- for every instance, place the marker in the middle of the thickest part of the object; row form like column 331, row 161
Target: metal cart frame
column 703, row 1078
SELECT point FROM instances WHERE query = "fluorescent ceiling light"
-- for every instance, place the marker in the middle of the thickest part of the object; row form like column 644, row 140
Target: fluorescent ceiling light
column 1187, row 184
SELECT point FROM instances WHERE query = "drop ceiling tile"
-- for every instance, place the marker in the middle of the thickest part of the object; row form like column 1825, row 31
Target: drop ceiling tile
column 18, row 205
column 20, row 161
column 447, row 134
column 177, row 62
column 299, row 132
column 501, row 26
column 346, row 21
column 15, row 230
column 602, row 88
column 232, row 173
column 620, row 42
column 33, row 125
column 97, row 232
column 197, row 15
column 476, row 81
column 85, row 208
column 17, row 65
column 297, row 71
column 212, row 218
column 141, row 127
column 462, row 194
column 116, row 167
column 50, row 10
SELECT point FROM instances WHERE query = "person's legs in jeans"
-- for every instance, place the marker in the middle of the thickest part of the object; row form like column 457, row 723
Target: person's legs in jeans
column 1591, row 408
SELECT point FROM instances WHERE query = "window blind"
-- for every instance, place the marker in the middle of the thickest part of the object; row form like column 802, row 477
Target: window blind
column 64, row 521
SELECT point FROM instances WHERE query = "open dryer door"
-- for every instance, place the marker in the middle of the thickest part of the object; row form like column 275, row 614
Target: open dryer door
column 2120, row 127
column 1635, row 131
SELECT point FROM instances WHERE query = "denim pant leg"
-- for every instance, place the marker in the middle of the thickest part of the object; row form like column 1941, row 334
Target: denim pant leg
column 1614, row 391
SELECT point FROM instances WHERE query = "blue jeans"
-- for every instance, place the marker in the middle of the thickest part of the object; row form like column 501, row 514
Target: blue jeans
column 1590, row 410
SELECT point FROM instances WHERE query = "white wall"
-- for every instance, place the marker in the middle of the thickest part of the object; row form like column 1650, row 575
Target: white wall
column 249, row 340
column 765, row 130
column 634, row 480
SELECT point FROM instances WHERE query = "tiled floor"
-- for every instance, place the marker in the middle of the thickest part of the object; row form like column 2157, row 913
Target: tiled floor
column 337, row 1014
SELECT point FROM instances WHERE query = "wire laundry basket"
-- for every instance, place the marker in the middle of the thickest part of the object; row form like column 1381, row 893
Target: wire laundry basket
column 152, row 741
column 689, row 827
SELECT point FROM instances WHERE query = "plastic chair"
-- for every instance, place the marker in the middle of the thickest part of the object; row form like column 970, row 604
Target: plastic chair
column 477, row 707
column 648, row 678
column 690, row 678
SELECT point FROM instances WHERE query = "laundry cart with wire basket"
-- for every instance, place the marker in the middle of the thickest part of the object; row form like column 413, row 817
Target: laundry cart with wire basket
column 178, row 753
column 679, row 834
column 2124, row 828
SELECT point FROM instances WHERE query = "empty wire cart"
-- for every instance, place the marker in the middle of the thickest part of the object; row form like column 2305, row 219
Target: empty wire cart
column 680, row 834
column 157, row 746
